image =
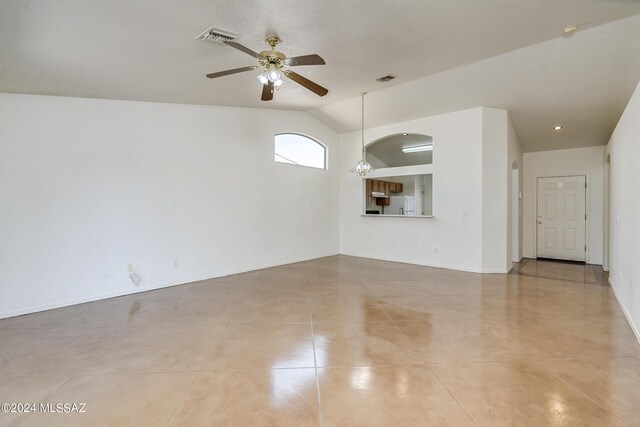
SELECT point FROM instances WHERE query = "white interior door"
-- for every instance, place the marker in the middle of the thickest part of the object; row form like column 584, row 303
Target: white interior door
column 561, row 218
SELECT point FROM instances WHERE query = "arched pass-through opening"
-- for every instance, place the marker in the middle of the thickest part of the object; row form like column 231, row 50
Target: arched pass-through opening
column 402, row 181
column 401, row 149
column 515, row 213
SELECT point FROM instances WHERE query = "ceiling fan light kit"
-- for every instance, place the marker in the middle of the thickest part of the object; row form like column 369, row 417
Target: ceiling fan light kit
column 274, row 66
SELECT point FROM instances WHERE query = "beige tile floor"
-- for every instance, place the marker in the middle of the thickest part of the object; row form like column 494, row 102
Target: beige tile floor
column 338, row 341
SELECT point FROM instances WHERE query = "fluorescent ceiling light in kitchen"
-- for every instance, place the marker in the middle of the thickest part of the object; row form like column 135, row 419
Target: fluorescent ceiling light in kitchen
column 417, row 148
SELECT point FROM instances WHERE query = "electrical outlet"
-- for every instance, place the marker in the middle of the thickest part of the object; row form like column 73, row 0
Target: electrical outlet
column 435, row 250
column 130, row 268
column 175, row 263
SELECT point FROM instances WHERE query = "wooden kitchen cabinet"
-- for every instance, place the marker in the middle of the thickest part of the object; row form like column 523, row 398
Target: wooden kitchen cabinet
column 386, row 187
column 368, row 190
column 395, row 187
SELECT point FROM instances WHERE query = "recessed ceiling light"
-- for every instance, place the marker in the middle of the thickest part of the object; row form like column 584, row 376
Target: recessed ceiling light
column 405, row 134
column 558, row 127
column 417, row 148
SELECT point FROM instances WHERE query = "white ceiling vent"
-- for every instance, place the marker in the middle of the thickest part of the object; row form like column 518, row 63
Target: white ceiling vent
column 217, row 35
column 386, row 78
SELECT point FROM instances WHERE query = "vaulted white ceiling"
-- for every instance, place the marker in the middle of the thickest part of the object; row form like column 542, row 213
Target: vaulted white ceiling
column 446, row 54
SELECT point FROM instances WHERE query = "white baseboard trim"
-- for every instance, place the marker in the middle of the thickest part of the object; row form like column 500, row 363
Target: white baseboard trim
column 121, row 293
column 89, row 298
column 634, row 328
column 422, row 264
column 518, row 260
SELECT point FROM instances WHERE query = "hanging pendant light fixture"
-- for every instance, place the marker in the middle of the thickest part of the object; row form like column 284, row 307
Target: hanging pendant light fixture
column 363, row 167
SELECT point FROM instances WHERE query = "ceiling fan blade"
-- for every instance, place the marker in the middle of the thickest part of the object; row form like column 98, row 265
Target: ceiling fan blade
column 234, row 71
column 303, row 81
column 244, row 49
column 267, row 92
column 304, row 60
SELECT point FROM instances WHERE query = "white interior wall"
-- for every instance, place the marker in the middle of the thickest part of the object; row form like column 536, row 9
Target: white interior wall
column 515, row 214
column 606, row 223
column 111, row 183
column 453, row 238
column 624, row 268
column 408, row 185
column 375, row 162
column 427, row 199
column 514, row 155
column 496, row 214
column 578, row 161
column 88, row 186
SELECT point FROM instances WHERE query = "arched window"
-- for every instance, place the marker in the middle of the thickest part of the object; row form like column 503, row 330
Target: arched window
column 300, row 150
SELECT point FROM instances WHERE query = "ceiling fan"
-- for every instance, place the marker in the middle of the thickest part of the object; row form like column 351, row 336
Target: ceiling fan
column 274, row 66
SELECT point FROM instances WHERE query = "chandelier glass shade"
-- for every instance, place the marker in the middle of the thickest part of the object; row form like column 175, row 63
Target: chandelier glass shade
column 363, row 168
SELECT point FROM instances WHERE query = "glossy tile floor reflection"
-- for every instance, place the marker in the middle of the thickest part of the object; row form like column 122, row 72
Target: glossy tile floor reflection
column 338, row 341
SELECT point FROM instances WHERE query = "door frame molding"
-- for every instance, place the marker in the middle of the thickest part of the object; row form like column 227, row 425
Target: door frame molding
column 587, row 203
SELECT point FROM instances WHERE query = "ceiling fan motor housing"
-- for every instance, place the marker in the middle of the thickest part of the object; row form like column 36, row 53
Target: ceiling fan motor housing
column 274, row 58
